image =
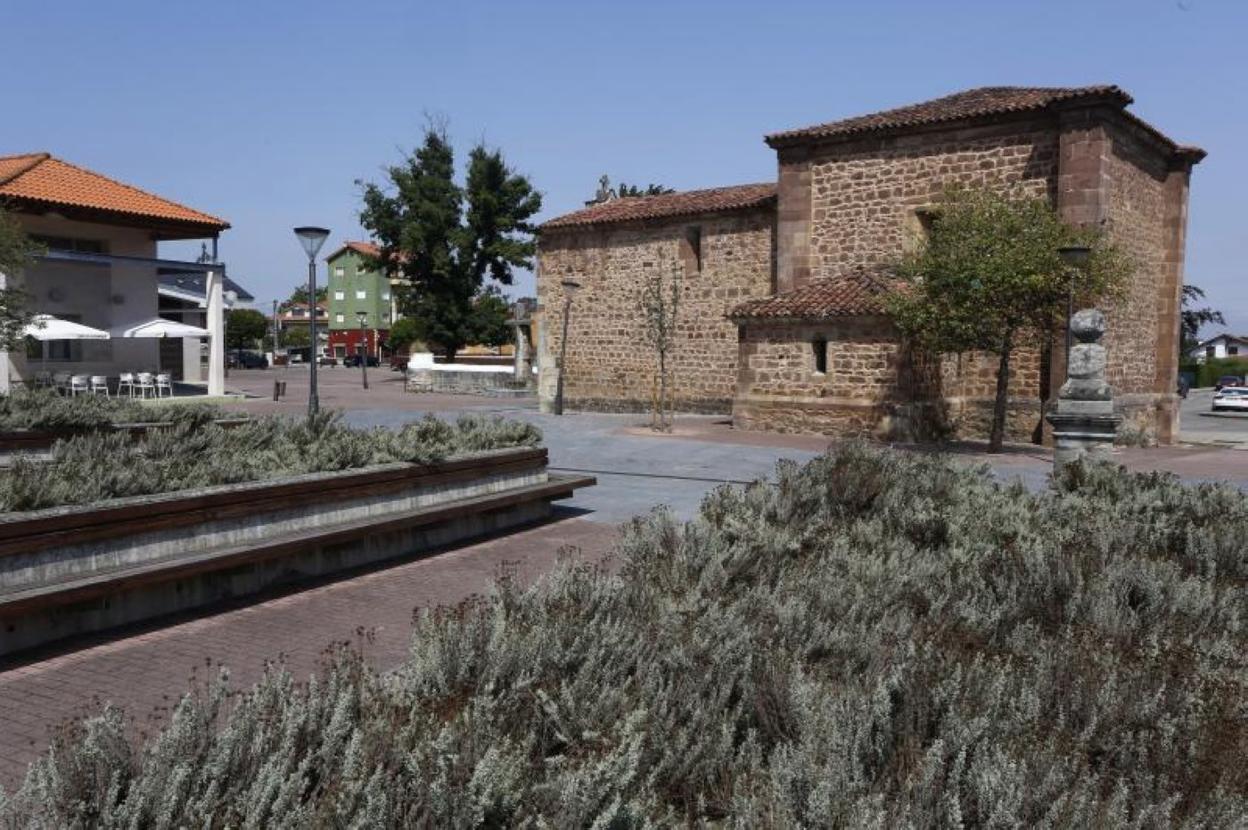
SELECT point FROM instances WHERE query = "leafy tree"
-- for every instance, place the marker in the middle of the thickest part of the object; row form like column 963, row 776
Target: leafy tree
column 648, row 190
column 446, row 239
column 403, row 333
column 989, row 272
column 243, row 327
column 296, row 337
column 492, row 311
column 1191, row 319
column 659, row 306
column 300, row 295
column 17, row 250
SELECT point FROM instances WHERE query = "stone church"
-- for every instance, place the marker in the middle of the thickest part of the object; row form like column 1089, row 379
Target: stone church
column 782, row 320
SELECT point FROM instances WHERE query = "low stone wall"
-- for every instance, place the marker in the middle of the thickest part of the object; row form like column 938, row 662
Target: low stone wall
column 70, row 570
column 459, row 378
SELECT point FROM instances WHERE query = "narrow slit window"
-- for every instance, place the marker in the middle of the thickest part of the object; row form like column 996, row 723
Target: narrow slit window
column 820, row 348
column 691, row 250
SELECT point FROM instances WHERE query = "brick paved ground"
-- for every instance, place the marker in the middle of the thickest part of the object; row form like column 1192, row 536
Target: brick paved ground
column 145, row 671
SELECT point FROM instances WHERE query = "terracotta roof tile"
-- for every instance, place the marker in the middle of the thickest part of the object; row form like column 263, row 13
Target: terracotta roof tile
column 42, row 178
column 973, row 103
column 855, row 293
column 688, row 203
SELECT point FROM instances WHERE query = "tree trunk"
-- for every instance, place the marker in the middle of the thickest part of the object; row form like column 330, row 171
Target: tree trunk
column 663, row 424
column 997, row 437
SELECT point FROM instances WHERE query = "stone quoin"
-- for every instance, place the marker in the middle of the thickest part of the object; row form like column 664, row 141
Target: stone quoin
column 782, row 323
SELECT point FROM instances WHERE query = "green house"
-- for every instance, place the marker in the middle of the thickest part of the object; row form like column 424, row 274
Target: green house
column 354, row 289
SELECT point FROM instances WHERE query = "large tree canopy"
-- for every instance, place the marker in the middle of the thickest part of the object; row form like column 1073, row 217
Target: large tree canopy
column 447, row 239
column 1191, row 318
column 16, row 252
column 300, row 295
column 990, row 270
column 244, row 327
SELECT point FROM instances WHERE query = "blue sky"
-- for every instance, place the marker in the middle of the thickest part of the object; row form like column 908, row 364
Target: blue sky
column 267, row 113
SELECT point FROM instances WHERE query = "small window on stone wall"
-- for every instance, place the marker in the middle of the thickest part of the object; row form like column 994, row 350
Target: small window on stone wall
column 918, row 228
column 820, row 348
column 691, row 250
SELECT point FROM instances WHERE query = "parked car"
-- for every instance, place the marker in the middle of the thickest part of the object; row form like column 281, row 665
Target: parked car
column 327, row 360
column 354, row 360
column 1231, row 397
column 243, row 359
column 1228, row 380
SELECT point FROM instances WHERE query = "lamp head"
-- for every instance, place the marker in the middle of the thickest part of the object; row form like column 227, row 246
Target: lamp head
column 1075, row 255
column 312, row 239
column 362, row 316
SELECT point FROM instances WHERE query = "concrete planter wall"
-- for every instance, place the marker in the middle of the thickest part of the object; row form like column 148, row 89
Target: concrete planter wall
column 71, row 570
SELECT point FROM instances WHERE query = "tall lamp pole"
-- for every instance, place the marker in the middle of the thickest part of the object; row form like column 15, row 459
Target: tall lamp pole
column 569, row 288
column 1075, row 257
column 312, row 239
column 363, row 318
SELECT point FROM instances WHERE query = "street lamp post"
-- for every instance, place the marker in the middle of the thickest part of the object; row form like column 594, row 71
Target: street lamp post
column 312, row 239
column 363, row 318
column 569, row 288
column 1075, row 257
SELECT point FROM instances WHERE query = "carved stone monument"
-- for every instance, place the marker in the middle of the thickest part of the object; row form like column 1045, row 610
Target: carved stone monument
column 1084, row 423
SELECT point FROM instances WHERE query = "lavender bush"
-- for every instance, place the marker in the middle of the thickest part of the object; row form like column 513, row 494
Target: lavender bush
column 878, row 640
column 195, row 452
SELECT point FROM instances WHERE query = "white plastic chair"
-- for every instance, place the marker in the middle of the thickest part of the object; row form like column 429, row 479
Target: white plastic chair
column 79, row 384
column 99, row 384
column 126, row 382
column 164, row 384
column 145, row 383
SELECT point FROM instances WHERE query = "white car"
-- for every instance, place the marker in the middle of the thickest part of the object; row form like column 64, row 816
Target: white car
column 1231, row 397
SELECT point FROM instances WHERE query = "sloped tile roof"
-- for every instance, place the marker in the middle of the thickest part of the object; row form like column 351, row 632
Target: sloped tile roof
column 688, row 203
column 43, row 178
column 367, row 249
column 970, row 104
column 854, row 293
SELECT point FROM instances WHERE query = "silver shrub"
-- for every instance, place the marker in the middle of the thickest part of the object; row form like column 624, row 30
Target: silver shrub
column 194, row 452
column 878, row 640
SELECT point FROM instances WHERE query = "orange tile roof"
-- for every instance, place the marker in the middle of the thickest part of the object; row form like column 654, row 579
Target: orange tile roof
column 688, row 203
column 854, row 293
column 368, row 249
column 47, row 180
column 977, row 104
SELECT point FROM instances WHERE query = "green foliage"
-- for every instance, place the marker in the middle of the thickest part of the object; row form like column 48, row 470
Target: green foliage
column 1208, row 372
column 1191, row 319
column 404, row 333
column 447, row 239
column 990, row 270
column 16, row 253
column 296, row 337
column 877, row 640
column 648, row 190
column 194, row 452
column 244, row 327
column 300, row 295
column 660, row 306
column 42, row 409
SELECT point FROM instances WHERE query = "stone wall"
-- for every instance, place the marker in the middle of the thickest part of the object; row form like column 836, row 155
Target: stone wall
column 867, row 196
column 610, row 367
column 872, row 385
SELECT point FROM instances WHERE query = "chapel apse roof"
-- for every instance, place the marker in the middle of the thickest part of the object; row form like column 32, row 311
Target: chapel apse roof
column 858, row 292
column 41, row 179
column 686, row 203
column 982, row 103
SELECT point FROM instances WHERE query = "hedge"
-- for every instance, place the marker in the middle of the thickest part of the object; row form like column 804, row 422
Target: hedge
column 878, row 640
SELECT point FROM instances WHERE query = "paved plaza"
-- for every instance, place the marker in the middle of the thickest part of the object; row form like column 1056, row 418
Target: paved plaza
column 144, row 669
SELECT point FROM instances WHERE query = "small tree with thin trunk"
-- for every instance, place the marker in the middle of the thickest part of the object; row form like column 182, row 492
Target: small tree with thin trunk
column 989, row 274
column 660, row 303
column 17, row 250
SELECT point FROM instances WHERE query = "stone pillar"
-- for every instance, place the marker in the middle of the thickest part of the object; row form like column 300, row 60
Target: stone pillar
column 1084, row 423
column 6, row 365
column 793, row 259
column 216, row 332
column 1170, row 299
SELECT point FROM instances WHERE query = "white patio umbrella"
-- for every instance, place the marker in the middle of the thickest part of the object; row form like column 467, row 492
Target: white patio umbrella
column 47, row 327
column 159, row 327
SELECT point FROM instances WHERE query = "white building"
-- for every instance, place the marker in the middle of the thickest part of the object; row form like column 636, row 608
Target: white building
column 1223, row 345
column 101, row 269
